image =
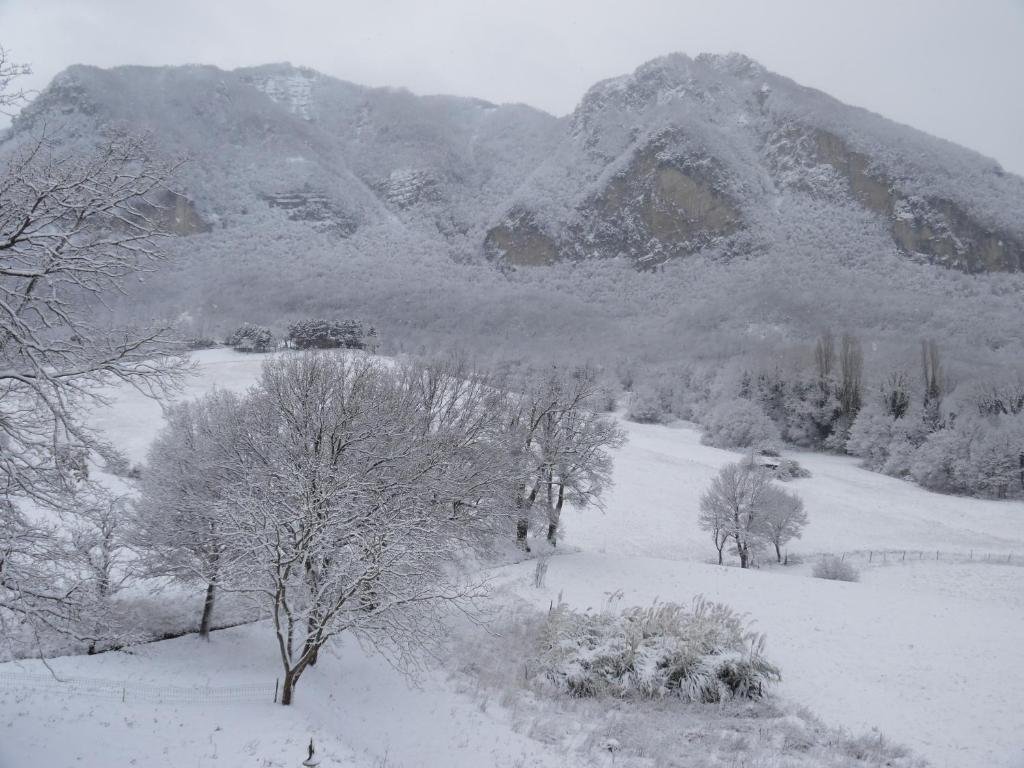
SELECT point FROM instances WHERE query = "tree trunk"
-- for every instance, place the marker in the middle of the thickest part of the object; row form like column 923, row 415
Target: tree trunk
column 778, row 554
column 555, row 516
column 720, row 555
column 207, row 620
column 522, row 528
column 311, row 651
column 743, row 556
column 290, row 678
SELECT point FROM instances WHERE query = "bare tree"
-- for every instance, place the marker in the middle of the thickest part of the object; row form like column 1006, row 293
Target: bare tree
column 824, row 356
column 851, row 371
column 11, row 97
column 783, row 517
column 715, row 518
column 895, row 393
column 73, row 230
column 934, row 383
column 562, row 448
column 735, row 501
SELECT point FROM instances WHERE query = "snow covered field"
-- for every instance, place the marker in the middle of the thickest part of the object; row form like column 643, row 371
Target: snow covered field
column 929, row 652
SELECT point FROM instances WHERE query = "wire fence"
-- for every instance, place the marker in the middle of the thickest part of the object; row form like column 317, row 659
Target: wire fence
column 885, row 556
column 127, row 690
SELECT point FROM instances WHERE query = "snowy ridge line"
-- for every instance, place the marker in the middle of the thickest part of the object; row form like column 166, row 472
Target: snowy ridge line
column 126, row 689
column 917, row 555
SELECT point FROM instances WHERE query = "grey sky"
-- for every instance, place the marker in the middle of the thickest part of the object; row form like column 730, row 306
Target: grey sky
column 950, row 67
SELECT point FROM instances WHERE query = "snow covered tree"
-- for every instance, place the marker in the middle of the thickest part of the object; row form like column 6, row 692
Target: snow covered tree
column 179, row 525
column 98, row 550
column 783, row 517
column 561, row 448
column 871, row 434
column 327, row 334
column 358, row 494
column 251, row 338
column 76, row 225
column 736, row 500
column 740, row 424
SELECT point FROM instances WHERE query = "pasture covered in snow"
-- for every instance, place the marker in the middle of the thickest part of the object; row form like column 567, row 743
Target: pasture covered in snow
column 927, row 650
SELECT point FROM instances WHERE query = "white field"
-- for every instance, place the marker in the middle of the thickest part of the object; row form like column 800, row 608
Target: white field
column 929, row 652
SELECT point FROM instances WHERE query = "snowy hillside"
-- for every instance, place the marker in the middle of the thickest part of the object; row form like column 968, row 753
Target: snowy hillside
column 923, row 649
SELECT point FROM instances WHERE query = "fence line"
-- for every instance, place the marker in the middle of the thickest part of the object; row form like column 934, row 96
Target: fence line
column 915, row 555
column 126, row 690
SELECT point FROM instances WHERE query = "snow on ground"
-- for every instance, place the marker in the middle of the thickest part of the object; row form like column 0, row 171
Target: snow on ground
column 938, row 672
column 355, row 707
column 926, row 651
column 661, row 472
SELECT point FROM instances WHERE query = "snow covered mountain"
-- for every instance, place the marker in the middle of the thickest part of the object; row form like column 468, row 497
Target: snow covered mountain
column 325, row 151
column 705, row 194
column 680, row 156
column 690, row 153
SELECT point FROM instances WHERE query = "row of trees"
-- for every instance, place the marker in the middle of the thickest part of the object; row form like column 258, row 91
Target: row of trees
column 745, row 510
column 342, row 493
column 305, row 334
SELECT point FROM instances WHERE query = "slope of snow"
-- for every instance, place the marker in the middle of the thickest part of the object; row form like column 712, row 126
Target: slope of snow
column 358, row 710
column 661, row 472
column 926, row 651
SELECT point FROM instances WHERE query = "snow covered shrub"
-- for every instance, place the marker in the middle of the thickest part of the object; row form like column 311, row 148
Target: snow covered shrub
column 938, row 464
column 701, row 654
column 251, row 338
column 834, row 569
column 645, row 407
column 740, row 424
column 197, row 343
column 780, row 468
column 870, row 436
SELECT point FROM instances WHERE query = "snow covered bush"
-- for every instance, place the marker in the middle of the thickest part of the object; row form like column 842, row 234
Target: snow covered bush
column 702, row 654
column 645, row 407
column 870, row 436
column 780, row 468
column 835, row 569
column 740, row 424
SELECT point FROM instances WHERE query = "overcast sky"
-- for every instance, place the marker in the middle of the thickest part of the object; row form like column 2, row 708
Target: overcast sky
column 951, row 67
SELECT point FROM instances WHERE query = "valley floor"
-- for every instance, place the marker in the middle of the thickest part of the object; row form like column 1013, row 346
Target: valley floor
column 927, row 650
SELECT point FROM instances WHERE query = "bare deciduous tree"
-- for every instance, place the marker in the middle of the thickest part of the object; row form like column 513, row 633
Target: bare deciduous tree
column 562, row 448
column 735, row 501
column 783, row 517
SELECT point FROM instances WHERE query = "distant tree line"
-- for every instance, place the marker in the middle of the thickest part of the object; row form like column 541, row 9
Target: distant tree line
column 305, row 334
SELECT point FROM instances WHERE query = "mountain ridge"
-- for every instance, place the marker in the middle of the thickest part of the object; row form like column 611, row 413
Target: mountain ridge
column 702, row 193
